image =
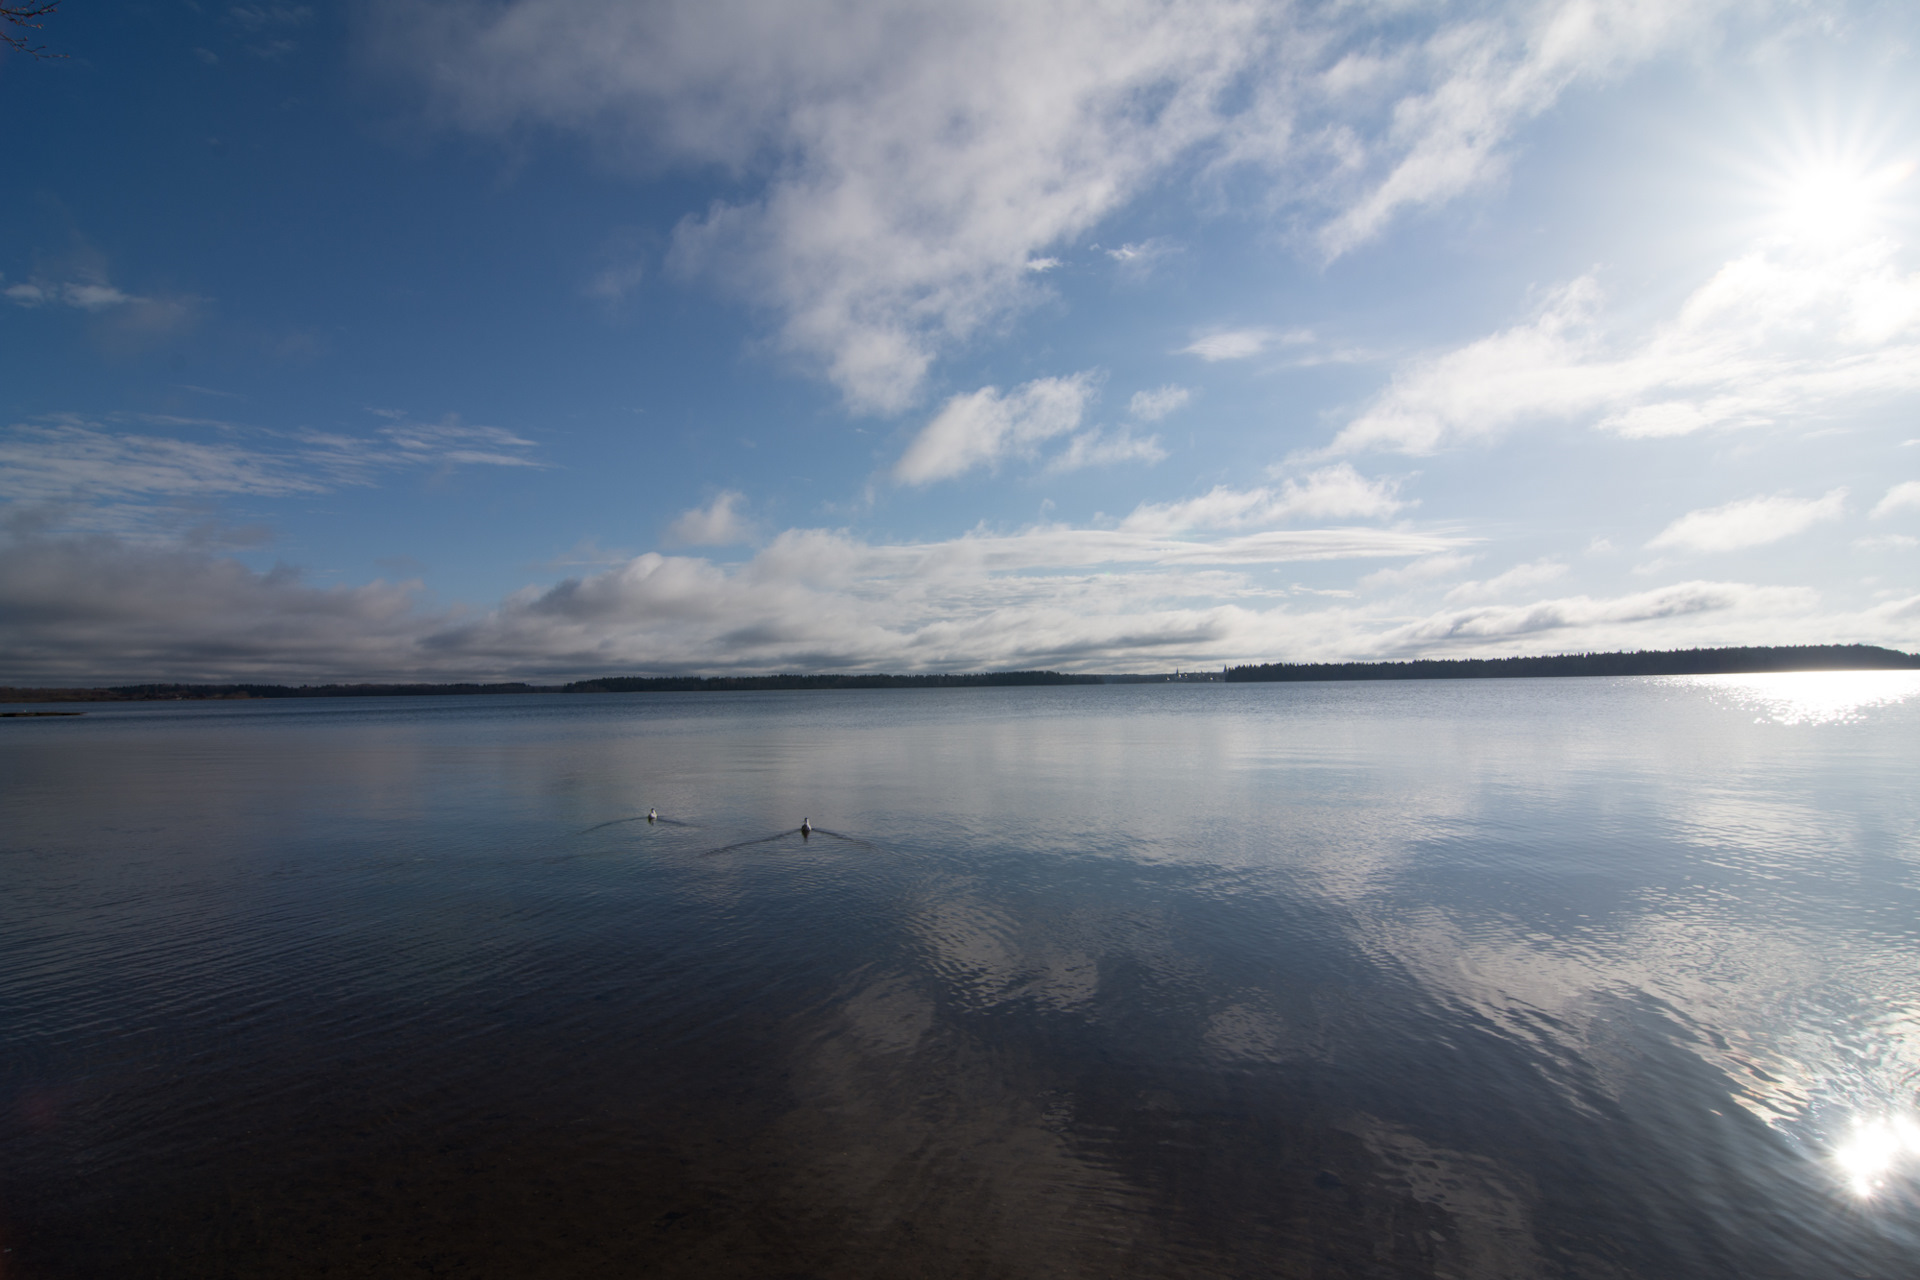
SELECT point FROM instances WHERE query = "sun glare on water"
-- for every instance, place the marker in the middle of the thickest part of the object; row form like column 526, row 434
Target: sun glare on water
column 1810, row 697
column 1876, row 1149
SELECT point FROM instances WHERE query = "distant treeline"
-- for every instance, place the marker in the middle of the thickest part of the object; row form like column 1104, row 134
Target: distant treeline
column 611, row 684
column 1806, row 657
column 715, row 684
column 1669, row 662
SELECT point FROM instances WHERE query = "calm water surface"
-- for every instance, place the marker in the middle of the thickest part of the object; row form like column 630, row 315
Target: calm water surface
column 1594, row 978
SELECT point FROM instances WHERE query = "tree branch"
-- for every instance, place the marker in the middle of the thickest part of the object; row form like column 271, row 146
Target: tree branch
column 24, row 15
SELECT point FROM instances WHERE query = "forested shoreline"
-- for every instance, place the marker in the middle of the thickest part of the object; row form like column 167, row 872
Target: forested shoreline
column 1746, row 660
column 1725, row 661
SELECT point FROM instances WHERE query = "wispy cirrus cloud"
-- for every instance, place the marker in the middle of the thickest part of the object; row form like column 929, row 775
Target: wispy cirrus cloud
column 113, row 474
column 407, row 442
column 1336, row 492
column 1467, row 85
column 1139, row 256
column 82, row 295
column 1242, row 344
column 1607, row 620
column 908, row 166
column 1418, row 573
column 1105, row 449
column 1780, row 333
column 982, row 428
column 66, row 460
column 1520, row 578
column 1151, row 406
column 122, row 320
column 1750, row 522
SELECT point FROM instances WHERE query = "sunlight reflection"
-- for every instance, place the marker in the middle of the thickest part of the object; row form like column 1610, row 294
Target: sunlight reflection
column 1874, row 1149
column 1811, row 697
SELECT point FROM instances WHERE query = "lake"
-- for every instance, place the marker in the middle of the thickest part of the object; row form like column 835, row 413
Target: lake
column 1584, row 978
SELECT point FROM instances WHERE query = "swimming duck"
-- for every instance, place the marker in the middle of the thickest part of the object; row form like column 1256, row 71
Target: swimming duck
column 652, row 814
column 806, row 827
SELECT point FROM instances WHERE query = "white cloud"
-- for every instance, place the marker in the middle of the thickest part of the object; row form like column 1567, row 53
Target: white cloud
column 981, row 428
column 1522, row 577
column 72, row 460
column 93, row 607
column 106, row 476
column 1418, row 573
column 913, row 160
column 93, row 297
column 446, row 441
column 123, row 322
column 613, row 283
column 1151, row 406
column 82, row 295
column 1750, row 522
column 1100, row 449
column 1903, row 495
column 1039, row 265
column 1140, row 256
column 718, row 524
column 1608, row 621
column 1776, row 334
column 1231, row 344
column 1330, row 493
column 99, row 609
column 936, row 152
column 1479, row 79
column 1887, row 542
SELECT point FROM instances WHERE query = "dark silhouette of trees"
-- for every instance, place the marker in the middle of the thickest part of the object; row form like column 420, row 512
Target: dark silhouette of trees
column 25, row 16
column 1671, row 662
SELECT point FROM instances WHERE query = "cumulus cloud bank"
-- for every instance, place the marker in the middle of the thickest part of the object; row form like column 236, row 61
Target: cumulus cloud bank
column 93, row 607
column 85, row 608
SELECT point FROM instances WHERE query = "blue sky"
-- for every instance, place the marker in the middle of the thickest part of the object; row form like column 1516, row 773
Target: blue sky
column 557, row 338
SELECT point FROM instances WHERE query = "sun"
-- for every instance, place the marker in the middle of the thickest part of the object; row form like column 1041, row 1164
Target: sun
column 1831, row 202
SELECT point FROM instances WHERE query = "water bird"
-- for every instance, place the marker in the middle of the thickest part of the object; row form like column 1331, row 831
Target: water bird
column 652, row 814
column 806, row 827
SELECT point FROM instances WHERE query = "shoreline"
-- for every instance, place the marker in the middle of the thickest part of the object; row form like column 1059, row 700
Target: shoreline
column 1743, row 660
